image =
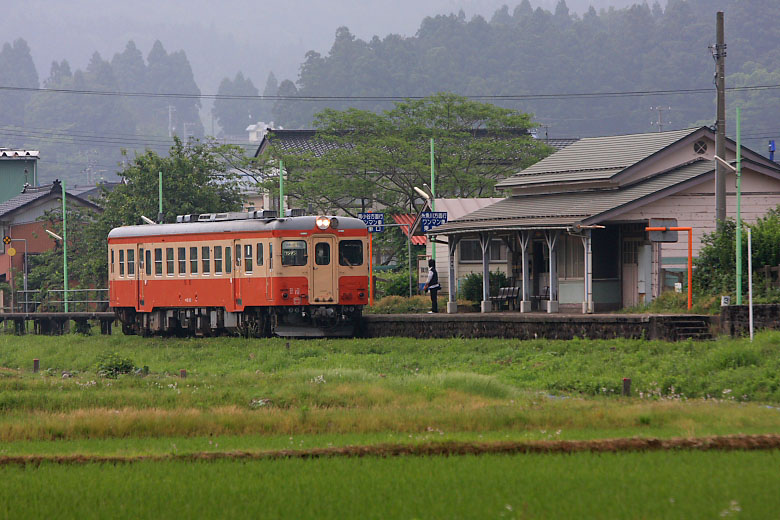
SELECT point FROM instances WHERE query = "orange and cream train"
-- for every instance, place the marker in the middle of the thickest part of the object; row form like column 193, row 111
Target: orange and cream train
column 247, row 273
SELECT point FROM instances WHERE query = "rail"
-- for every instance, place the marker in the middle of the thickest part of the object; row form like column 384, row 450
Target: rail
column 52, row 300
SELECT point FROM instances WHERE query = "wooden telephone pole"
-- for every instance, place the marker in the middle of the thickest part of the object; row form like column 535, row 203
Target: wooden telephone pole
column 719, row 53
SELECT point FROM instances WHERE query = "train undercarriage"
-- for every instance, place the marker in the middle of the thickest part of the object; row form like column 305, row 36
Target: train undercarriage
column 288, row 321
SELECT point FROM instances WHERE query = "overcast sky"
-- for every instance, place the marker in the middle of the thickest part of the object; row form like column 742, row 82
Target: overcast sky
column 223, row 37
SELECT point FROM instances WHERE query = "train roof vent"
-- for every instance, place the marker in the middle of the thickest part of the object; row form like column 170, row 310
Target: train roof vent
column 295, row 212
column 265, row 213
column 206, row 217
column 187, row 218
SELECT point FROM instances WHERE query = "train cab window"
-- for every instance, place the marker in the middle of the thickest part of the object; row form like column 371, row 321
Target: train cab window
column 294, row 252
column 158, row 261
column 182, row 261
column 131, row 262
column 322, row 253
column 217, row 260
column 169, row 264
column 248, row 258
column 206, row 259
column 259, row 253
column 149, row 262
column 121, row 262
column 112, row 260
column 194, row 260
column 351, row 252
column 228, row 261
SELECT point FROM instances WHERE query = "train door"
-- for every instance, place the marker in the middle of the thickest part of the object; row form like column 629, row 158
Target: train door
column 237, row 269
column 323, row 270
column 144, row 267
column 137, row 261
column 269, row 295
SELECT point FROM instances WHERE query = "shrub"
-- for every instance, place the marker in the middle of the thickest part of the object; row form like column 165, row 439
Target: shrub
column 396, row 284
column 471, row 288
column 112, row 364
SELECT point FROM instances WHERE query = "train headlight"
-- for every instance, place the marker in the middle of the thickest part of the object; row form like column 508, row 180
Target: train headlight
column 323, row 222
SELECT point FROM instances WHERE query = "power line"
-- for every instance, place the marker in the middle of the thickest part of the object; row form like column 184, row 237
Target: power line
column 500, row 97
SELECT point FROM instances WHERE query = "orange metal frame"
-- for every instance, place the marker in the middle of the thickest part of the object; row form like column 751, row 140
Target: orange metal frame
column 690, row 256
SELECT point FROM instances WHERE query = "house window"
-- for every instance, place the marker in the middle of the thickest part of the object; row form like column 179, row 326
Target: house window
column 471, row 251
column 571, row 257
column 194, row 260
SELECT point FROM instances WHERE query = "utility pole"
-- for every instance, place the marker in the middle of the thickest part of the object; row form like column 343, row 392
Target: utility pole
column 719, row 54
column 661, row 121
column 171, row 110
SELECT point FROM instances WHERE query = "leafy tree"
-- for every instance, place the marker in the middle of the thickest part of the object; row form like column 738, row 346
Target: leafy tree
column 380, row 158
column 197, row 178
column 271, row 89
column 167, row 73
column 234, row 115
column 18, row 71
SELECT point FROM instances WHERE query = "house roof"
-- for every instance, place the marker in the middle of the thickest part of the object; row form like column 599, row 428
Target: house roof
column 561, row 210
column 408, row 220
column 32, row 194
column 457, row 208
column 307, row 141
column 6, row 153
column 594, row 158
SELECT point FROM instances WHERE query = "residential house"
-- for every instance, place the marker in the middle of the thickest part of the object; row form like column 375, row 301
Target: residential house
column 18, row 168
column 575, row 221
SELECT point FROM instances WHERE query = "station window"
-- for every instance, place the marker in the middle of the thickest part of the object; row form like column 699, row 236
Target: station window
column 158, row 261
column 169, row 263
column 149, row 262
column 248, row 258
column 217, row 260
column 294, row 252
column 228, row 261
column 322, row 253
column 259, row 253
column 205, row 259
column 351, row 252
column 194, row 260
column 121, row 262
column 131, row 262
column 182, row 260
column 471, row 251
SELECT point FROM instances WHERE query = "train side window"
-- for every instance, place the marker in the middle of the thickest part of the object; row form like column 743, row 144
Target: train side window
column 351, row 252
column 271, row 256
column 158, row 261
column 149, row 262
column 194, row 260
column 322, row 253
column 140, row 260
column 238, row 256
column 169, row 264
column 112, row 260
column 217, row 260
column 182, row 253
column 121, row 262
column 228, row 261
column 294, row 252
column 248, row 258
column 206, row 259
column 259, row 253
column 131, row 262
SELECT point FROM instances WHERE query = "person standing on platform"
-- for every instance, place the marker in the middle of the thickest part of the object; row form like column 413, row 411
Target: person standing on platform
column 433, row 285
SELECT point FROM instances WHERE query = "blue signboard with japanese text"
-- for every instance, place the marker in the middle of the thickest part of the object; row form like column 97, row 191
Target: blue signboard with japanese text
column 374, row 221
column 432, row 219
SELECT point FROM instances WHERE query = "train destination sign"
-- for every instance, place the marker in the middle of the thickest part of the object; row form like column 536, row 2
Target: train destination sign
column 374, row 221
column 432, row 219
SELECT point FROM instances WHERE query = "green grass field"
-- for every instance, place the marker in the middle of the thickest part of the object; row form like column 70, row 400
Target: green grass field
column 255, row 395
column 635, row 485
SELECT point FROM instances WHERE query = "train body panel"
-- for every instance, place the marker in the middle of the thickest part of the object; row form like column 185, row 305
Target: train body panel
column 268, row 272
